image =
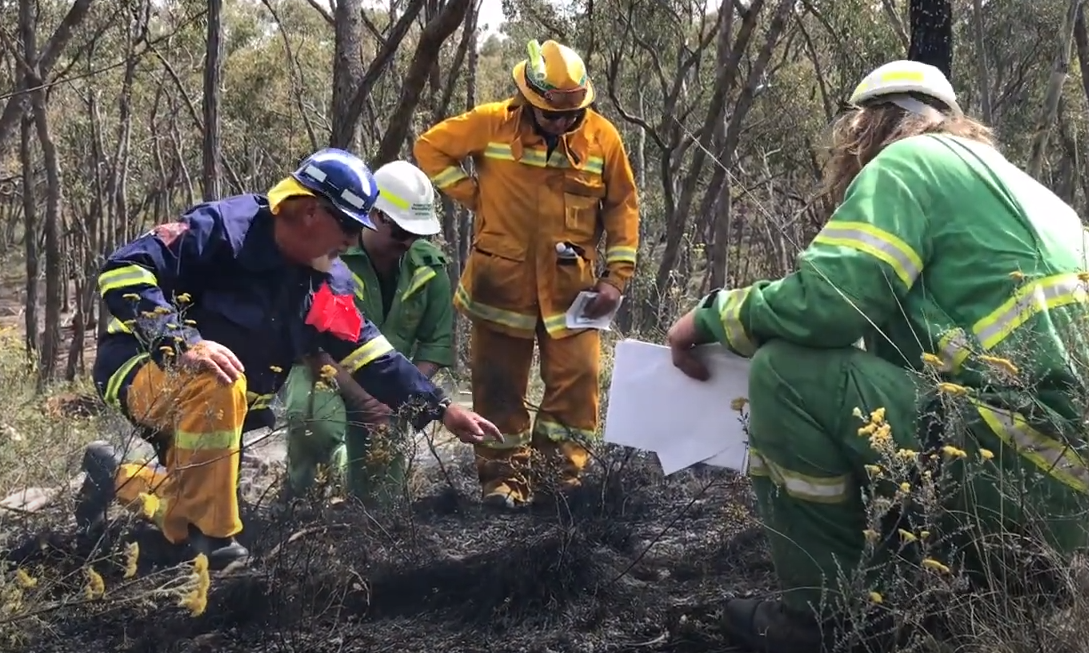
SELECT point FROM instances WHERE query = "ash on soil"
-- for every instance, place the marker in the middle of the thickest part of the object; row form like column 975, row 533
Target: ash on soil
column 609, row 569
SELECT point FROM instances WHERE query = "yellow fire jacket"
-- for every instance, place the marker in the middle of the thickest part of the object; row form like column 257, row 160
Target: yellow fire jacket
column 539, row 217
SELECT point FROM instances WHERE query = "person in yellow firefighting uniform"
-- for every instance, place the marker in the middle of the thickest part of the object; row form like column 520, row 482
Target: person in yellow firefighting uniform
column 551, row 176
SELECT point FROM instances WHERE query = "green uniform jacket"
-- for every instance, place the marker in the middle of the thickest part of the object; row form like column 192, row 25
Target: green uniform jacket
column 922, row 258
column 420, row 323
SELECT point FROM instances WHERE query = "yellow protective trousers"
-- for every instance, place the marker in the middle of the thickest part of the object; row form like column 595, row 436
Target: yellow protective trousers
column 201, row 419
column 566, row 421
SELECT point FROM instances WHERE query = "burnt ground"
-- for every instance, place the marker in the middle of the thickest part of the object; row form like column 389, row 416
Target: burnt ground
column 609, row 569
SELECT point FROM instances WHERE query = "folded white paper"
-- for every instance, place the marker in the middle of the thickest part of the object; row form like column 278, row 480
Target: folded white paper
column 653, row 406
column 577, row 320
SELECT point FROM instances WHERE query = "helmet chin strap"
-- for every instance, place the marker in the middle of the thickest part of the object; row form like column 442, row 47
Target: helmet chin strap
column 911, row 105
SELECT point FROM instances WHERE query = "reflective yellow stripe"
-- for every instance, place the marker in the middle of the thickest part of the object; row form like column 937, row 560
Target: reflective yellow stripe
column 891, row 77
column 1032, row 298
column 223, row 440
column 757, row 466
column 878, row 243
column 393, row 199
column 1052, row 457
column 558, row 432
column 113, row 385
column 493, row 314
column 258, row 402
column 538, row 158
column 419, row 279
column 620, row 254
column 125, row 277
column 115, row 326
column 510, row 441
column 366, row 354
column 449, row 177
column 555, row 324
column 595, row 164
column 360, row 287
column 729, row 312
column 953, row 349
column 814, row 489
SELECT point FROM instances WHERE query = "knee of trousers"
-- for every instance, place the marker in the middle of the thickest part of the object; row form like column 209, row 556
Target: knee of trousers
column 204, row 388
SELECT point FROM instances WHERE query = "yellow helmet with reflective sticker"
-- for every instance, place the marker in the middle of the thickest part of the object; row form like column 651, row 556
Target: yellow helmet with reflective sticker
column 900, row 78
column 553, row 77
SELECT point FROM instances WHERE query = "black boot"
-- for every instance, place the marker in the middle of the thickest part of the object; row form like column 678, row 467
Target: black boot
column 767, row 626
column 100, row 462
column 221, row 551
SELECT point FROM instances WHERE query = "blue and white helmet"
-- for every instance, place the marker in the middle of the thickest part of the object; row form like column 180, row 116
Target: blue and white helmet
column 344, row 180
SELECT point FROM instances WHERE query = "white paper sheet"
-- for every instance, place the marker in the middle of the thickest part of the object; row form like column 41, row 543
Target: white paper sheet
column 576, row 319
column 653, row 406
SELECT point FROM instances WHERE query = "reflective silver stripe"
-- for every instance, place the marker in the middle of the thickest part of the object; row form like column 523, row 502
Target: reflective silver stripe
column 1032, row 298
column 876, row 242
column 1049, row 455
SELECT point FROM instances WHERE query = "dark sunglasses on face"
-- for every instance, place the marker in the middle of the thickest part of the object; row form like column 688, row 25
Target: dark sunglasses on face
column 346, row 224
column 395, row 231
column 553, row 116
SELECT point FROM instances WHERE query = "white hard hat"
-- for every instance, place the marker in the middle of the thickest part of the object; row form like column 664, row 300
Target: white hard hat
column 406, row 195
column 896, row 79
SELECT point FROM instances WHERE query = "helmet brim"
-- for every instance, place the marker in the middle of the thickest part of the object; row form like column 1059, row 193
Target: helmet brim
column 350, row 215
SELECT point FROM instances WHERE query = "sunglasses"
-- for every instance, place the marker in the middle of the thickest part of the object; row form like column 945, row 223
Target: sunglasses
column 554, row 116
column 395, row 231
column 347, row 225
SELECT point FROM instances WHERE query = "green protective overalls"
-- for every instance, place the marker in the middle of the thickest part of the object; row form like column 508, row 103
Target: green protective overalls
column 367, row 452
column 965, row 279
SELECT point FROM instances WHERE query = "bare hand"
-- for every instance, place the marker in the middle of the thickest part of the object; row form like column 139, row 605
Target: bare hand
column 682, row 339
column 469, row 427
column 213, row 357
column 608, row 296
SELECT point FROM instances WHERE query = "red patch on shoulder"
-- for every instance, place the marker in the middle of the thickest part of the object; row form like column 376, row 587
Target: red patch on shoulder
column 170, row 231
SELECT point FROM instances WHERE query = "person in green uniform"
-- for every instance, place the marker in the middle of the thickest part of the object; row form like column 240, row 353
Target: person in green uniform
column 965, row 279
column 401, row 286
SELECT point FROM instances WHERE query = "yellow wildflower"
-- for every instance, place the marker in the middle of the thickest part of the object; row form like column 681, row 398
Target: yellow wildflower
column 1017, row 275
column 1004, row 364
column 196, row 597
column 162, row 310
column 934, row 565
column 149, row 505
column 276, row 368
column 328, row 372
column 952, row 389
column 907, row 536
column 878, row 415
column 876, row 597
column 739, row 403
column 906, row 454
column 986, row 454
column 924, row 534
column 870, row 535
column 132, row 556
column 184, row 298
column 905, row 487
column 25, row 580
column 953, row 452
column 857, row 412
column 95, row 586
column 874, row 470
column 190, row 322
column 931, row 360
column 131, row 296
column 867, row 430
column 167, row 351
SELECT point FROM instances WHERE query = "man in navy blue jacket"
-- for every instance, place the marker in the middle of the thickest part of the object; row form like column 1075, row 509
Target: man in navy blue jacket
column 207, row 315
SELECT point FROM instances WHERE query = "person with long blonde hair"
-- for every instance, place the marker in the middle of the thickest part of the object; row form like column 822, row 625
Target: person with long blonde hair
column 917, row 384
